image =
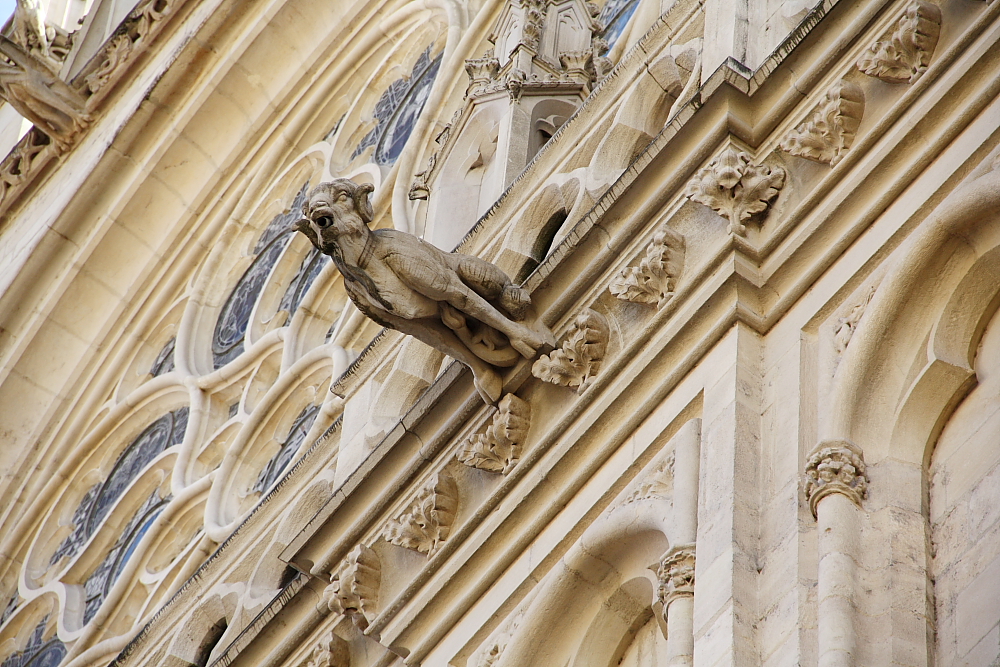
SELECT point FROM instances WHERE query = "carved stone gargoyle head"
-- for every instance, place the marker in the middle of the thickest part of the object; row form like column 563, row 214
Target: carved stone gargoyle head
column 334, row 209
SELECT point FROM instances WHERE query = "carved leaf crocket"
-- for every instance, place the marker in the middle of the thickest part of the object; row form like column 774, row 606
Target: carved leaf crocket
column 459, row 304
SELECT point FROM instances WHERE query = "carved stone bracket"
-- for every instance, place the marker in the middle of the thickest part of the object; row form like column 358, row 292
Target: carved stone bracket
column 498, row 448
column 676, row 574
column 734, row 187
column 429, row 519
column 652, row 281
column 905, row 51
column 579, row 359
column 353, row 589
column 830, row 130
column 330, row 652
column 836, row 467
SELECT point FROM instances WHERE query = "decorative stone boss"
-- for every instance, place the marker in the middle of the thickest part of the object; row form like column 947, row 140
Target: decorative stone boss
column 461, row 305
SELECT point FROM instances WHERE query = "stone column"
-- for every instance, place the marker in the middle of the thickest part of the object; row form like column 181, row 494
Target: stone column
column 836, row 483
column 676, row 593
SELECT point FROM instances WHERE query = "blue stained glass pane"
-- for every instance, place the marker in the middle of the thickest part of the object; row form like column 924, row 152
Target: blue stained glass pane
column 12, row 604
column 164, row 360
column 165, row 432
column 231, row 327
column 397, row 110
column 38, row 652
column 614, row 17
column 303, row 280
column 101, row 580
column 296, row 435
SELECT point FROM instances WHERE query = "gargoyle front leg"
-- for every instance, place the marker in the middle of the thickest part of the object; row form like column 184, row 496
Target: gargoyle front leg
column 524, row 340
column 437, row 335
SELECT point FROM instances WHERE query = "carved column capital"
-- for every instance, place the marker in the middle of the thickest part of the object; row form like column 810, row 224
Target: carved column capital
column 676, row 574
column 836, row 466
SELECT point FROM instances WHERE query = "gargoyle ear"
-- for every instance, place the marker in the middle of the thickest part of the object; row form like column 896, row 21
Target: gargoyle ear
column 362, row 203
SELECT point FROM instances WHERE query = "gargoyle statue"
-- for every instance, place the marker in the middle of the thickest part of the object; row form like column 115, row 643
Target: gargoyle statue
column 461, row 305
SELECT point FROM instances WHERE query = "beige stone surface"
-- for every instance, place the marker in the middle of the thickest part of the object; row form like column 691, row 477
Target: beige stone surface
column 763, row 233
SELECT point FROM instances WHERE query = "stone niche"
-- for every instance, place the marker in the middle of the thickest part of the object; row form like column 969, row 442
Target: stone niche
column 546, row 57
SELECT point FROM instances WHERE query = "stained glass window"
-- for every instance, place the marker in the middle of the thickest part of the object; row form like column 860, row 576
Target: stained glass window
column 12, row 604
column 304, row 278
column 397, row 110
column 164, row 362
column 165, row 432
column 614, row 17
column 230, row 329
column 296, row 435
column 38, row 652
column 99, row 583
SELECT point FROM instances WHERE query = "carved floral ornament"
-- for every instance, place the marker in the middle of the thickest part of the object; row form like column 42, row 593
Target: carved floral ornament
column 653, row 279
column 331, row 651
column 905, row 51
column 675, row 573
column 836, row 467
column 353, row 589
column 499, row 447
column 427, row 522
column 577, row 361
column 734, row 187
column 830, row 130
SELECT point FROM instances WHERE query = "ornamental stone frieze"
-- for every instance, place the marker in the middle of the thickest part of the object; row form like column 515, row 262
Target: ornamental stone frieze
column 830, row 130
column 653, row 279
column 675, row 573
column 427, row 522
column 836, row 467
column 458, row 304
column 734, row 187
column 905, row 51
column 577, row 361
column 498, row 448
column 353, row 589
column 659, row 483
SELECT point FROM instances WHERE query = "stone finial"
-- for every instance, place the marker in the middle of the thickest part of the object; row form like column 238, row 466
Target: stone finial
column 330, row 652
column 499, row 447
column 652, row 281
column 905, row 51
column 353, row 589
column 735, row 187
column 579, row 359
column 830, row 130
column 428, row 521
column 675, row 574
column 836, row 466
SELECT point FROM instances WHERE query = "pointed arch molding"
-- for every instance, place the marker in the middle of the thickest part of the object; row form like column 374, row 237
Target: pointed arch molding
column 947, row 273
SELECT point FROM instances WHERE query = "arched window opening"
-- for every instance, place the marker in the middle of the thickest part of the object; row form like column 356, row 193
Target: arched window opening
column 209, row 642
column 165, row 432
column 397, row 110
column 296, row 435
column 230, row 329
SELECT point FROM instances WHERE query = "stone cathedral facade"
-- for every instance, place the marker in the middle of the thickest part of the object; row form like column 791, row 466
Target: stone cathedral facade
column 764, row 235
